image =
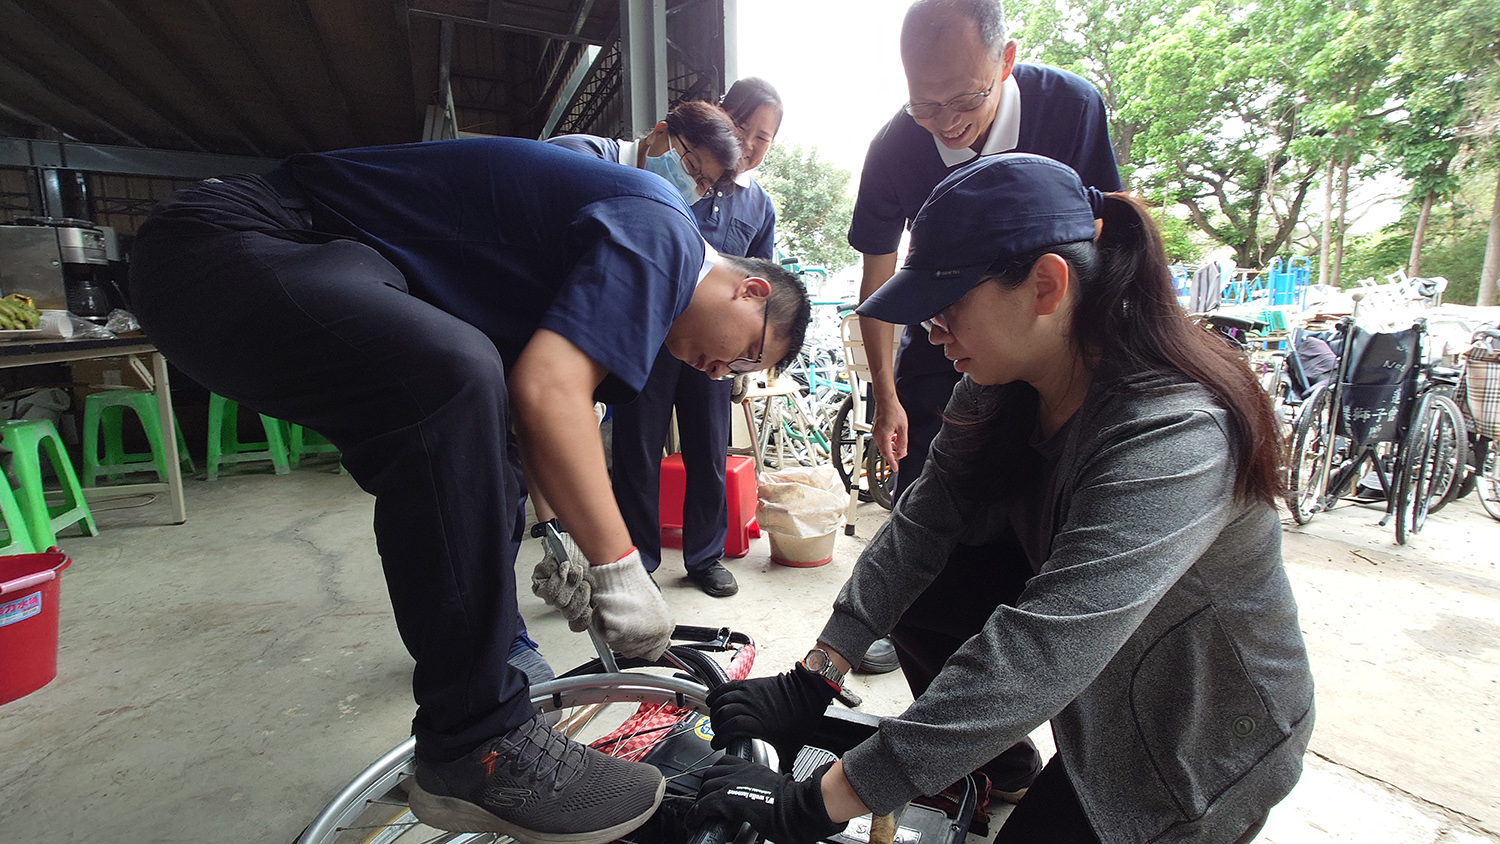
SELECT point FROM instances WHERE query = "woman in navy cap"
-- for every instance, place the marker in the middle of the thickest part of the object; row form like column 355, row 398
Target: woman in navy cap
column 1129, row 462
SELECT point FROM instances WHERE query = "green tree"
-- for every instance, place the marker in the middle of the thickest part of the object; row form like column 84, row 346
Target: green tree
column 813, row 206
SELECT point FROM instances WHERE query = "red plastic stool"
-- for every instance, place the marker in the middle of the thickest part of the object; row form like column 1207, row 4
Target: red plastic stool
column 739, row 494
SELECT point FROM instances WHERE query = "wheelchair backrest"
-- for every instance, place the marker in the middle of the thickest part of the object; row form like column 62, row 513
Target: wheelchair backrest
column 1379, row 384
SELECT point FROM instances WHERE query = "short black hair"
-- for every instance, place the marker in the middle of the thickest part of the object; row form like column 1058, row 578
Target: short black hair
column 926, row 17
column 787, row 308
column 706, row 127
column 746, row 96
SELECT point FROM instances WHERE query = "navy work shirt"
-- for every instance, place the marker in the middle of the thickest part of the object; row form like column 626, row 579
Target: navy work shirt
column 1061, row 117
column 735, row 219
column 513, row 235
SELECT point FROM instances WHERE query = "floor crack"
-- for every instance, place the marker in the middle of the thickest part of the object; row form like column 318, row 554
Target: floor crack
column 1472, row 823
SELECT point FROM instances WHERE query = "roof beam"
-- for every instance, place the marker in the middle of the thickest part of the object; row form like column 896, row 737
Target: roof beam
column 205, row 96
column 12, row 68
column 91, row 56
column 236, row 36
column 521, row 18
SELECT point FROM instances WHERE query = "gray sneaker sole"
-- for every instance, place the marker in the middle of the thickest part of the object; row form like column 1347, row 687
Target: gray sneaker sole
column 455, row 815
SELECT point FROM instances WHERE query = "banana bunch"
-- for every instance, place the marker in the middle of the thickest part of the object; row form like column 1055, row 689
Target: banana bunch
column 18, row 312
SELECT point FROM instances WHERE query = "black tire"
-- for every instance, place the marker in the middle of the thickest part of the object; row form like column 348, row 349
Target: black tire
column 1455, row 458
column 1311, row 437
column 1432, row 458
column 881, row 478
column 841, row 443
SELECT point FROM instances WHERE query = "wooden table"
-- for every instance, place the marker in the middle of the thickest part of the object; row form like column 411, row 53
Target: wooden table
column 20, row 353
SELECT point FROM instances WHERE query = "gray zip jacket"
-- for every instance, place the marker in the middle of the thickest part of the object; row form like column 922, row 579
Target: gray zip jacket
column 1160, row 636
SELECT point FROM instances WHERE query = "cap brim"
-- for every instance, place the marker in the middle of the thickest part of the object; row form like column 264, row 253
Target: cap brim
column 913, row 295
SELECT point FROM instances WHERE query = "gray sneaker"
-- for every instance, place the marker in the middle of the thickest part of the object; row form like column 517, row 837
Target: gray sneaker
column 539, row 787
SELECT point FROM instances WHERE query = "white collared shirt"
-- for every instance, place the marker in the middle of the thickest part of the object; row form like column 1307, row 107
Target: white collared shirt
column 710, row 257
column 627, row 153
column 1005, row 131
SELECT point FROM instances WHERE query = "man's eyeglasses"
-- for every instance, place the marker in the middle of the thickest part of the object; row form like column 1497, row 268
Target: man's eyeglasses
column 960, row 104
column 741, row 366
column 694, row 169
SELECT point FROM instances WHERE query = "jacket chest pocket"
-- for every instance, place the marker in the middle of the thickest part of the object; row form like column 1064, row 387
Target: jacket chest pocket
column 735, row 236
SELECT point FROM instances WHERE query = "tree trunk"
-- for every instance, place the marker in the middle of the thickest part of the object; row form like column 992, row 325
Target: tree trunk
column 1323, row 246
column 1338, row 241
column 1491, row 253
column 1413, row 264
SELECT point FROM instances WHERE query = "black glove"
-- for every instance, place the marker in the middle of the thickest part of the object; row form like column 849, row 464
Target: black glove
column 782, row 710
column 779, row 808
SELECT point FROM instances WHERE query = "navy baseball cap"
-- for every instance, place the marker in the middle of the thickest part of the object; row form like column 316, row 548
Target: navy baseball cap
column 996, row 207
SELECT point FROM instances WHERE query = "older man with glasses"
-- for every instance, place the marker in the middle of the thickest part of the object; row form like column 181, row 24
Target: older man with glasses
column 967, row 97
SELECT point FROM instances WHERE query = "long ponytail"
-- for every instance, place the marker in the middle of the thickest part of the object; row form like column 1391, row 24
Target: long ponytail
column 1130, row 313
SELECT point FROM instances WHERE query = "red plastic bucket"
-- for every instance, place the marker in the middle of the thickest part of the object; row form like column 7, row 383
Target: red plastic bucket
column 28, row 621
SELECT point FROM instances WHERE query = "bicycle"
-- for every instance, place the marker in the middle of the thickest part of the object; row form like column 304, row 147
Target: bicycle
column 1386, row 410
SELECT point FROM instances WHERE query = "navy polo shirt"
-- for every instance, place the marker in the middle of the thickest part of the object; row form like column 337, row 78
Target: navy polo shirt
column 738, row 220
column 1062, row 117
column 734, row 219
column 513, row 235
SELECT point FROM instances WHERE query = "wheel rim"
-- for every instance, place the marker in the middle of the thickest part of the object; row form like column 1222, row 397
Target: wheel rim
column 619, row 710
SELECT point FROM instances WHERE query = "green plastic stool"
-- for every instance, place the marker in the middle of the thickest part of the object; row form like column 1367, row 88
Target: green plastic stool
column 303, row 441
column 106, row 411
column 27, row 439
column 15, row 538
column 224, row 445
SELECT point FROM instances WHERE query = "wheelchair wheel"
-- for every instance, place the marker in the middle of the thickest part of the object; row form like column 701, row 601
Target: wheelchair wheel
column 881, row 477
column 1432, row 458
column 1312, row 436
column 1487, row 481
column 627, row 714
column 841, row 441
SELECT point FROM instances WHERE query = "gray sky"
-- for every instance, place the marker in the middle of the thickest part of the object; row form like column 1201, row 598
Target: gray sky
column 835, row 64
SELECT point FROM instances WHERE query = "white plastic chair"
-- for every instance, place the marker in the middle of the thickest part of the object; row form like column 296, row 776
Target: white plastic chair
column 857, row 371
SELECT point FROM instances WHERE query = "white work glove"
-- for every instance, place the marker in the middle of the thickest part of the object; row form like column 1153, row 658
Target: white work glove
column 565, row 583
column 629, row 611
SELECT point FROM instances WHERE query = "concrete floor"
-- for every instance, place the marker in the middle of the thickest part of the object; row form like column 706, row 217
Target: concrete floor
column 221, row 680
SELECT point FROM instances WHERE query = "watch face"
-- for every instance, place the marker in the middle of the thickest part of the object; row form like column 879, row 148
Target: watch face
column 816, row 660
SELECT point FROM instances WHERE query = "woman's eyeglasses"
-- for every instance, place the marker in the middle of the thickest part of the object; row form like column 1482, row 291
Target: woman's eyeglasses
column 939, row 322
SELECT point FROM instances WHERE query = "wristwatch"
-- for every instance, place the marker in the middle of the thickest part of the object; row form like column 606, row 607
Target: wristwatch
column 820, row 663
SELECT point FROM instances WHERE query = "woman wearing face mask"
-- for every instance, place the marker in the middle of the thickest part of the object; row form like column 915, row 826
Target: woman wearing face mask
column 735, row 217
column 693, row 147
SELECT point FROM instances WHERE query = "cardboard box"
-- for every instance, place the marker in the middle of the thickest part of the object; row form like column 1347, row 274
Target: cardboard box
column 97, row 375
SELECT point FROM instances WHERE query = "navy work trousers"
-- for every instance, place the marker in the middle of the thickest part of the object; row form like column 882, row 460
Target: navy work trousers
column 639, row 433
column 327, row 335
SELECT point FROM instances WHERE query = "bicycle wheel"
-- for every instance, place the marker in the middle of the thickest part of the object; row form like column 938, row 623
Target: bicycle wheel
column 1487, row 482
column 657, row 719
column 841, row 440
column 1311, row 439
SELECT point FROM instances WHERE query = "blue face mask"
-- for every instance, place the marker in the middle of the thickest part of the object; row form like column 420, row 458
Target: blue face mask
column 669, row 166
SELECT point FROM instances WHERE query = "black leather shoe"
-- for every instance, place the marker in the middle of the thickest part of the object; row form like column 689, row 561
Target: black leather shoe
column 714, row 580
column 880, row 658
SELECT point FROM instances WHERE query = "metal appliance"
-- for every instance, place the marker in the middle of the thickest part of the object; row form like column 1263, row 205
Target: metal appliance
column 56, row 261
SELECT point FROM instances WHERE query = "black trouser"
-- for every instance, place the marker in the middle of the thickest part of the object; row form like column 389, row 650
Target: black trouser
column 640, row 431
column 327, row 335
column 948, row 613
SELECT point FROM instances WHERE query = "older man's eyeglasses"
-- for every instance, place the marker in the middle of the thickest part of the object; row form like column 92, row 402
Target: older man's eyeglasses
column 741, row 366
column 960, row 104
